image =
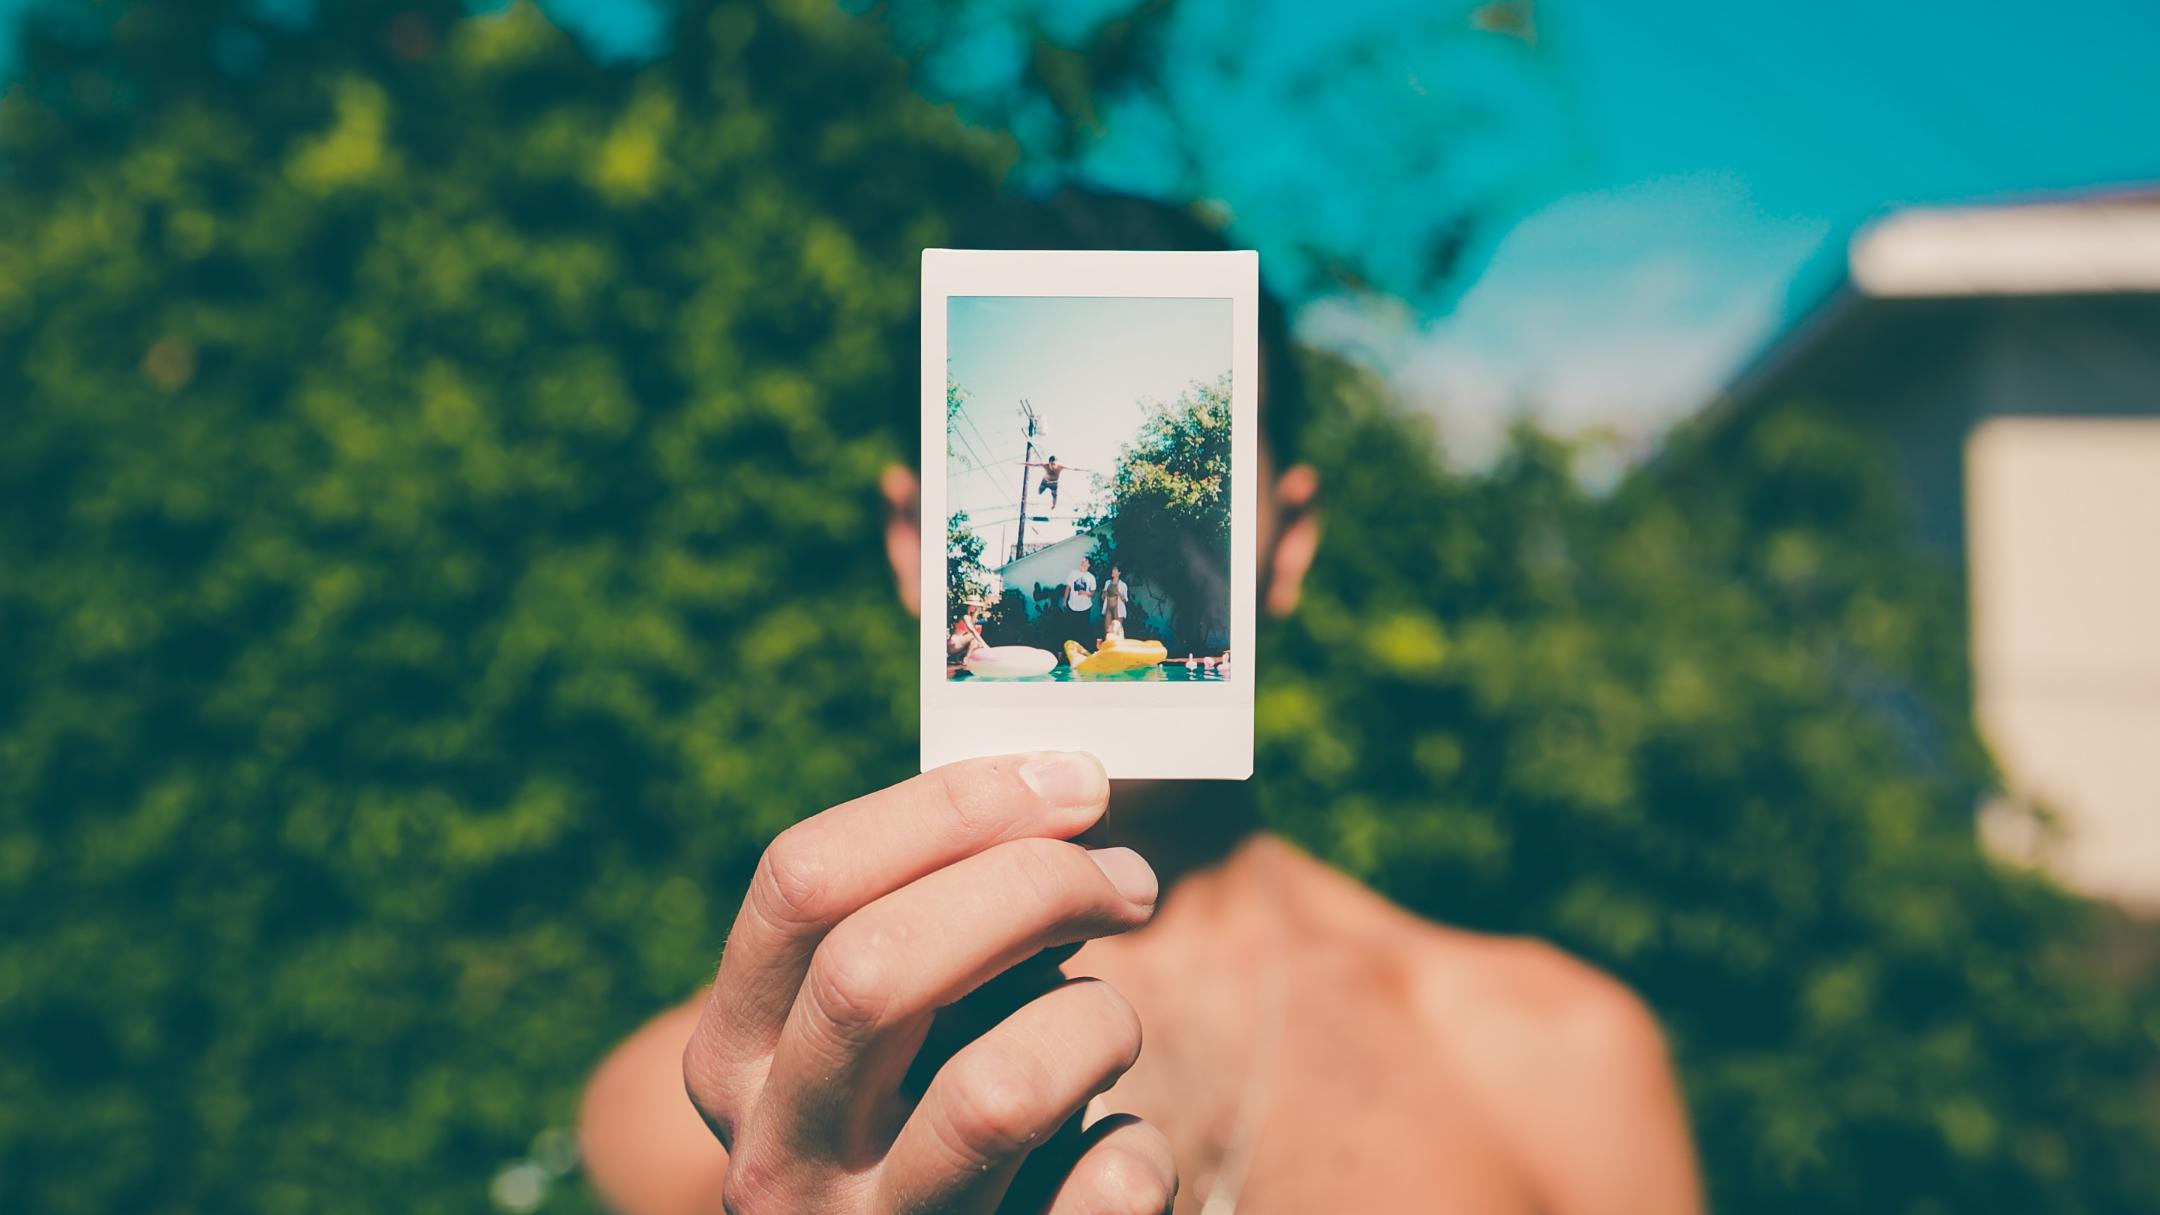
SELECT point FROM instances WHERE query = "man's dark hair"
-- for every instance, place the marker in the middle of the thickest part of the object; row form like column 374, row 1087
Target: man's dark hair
column 1074, row 218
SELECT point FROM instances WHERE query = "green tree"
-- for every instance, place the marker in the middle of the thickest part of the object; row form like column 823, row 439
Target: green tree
column 956, row 399
column 1008, row 623
column 1167, row 516
column 1236, row 103
column 965, row 576
column 437, row 508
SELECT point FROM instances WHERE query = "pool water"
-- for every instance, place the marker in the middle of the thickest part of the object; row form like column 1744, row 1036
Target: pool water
column 1168, row 672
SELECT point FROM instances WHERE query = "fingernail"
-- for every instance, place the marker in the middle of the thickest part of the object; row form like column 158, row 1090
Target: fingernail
column 1132, row 875
column 1066, row 779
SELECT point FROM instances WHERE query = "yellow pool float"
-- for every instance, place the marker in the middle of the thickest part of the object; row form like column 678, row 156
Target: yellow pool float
column 1116, row 657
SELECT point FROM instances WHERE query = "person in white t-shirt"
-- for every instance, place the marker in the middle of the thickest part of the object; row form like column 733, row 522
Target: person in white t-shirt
column 1080, row 595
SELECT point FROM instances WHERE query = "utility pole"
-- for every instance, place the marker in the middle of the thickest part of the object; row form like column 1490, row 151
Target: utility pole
column 1020, row 534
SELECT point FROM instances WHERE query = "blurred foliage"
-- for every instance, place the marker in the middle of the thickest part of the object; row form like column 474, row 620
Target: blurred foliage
column 439, row 546
column 1447, row 114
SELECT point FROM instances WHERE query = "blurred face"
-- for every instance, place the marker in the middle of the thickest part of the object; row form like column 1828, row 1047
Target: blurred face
column 1288, row 528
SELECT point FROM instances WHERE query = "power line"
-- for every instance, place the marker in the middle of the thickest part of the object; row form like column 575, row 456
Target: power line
column 969, row 419
column 964, row 443
column 986, row 470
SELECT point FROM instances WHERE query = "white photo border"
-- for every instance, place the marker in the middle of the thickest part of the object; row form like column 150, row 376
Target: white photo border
column 1191, row 730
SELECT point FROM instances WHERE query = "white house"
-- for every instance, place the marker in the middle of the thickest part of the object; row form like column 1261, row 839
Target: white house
column 2009, row 356
column 1048, row 567
column 1041, row 574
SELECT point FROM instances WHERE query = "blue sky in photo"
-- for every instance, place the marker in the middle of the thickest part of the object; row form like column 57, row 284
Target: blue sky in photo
column 1090, row 366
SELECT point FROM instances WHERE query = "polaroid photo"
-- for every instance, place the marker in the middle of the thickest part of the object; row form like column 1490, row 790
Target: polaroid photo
column 1090, row 435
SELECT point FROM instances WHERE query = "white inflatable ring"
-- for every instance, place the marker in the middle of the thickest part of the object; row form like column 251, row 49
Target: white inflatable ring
column 1010, row 661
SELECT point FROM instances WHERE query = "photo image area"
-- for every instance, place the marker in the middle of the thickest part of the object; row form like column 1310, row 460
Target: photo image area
column 1088, row 454
column 1111, row 610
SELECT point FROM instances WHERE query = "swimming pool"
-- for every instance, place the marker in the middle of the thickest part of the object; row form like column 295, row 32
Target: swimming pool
column 1168, row 672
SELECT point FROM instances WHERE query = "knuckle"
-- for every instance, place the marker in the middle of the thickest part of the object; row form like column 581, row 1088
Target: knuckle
column 850, row 983
column 710, row 1094
column 1132, row 1175
column 993, row 1107
column 975, row 796
column 1053, row 872
column 791, row 880
column 752, row 1187
column 1130, row 1181
column 1121, row 1023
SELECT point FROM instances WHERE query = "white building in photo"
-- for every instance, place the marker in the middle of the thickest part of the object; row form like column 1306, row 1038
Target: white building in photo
column 1051, row 567
column 2010, row 358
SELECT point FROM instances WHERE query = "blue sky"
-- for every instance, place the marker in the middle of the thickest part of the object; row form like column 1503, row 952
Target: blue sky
column 1664, row 184
column 1727, row 152
column 1089, row 366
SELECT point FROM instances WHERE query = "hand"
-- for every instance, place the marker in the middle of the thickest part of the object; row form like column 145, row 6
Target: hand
column 860, row 924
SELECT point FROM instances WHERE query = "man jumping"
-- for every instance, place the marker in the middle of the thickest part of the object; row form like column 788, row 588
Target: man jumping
column 1051, row 468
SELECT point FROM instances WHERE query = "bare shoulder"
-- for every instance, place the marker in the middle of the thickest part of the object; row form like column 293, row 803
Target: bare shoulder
column 1564, row 1062
column 1495, row 995
column 645, row 1148
column 1517, row 1006
column 1568, row 1064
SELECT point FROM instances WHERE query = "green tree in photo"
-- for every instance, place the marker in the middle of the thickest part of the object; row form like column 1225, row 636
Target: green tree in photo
column 1166, row 520
column 956, row 399
column 965, row 575
column 1008, row 622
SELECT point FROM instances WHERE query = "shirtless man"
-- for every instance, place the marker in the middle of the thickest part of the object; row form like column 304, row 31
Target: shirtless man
column 1051, row 470
column 1309, row 1046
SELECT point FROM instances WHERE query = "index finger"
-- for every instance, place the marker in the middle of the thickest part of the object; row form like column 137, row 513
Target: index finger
column 826, row 867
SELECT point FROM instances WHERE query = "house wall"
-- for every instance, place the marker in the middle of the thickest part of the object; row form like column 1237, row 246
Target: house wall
column 2063, row 549
column 2037, row 458
column 1052, row 566
column 2003, row 358
column 2025, row 433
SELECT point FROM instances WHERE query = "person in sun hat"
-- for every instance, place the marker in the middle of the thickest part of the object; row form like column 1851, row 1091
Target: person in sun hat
column 966, row 636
